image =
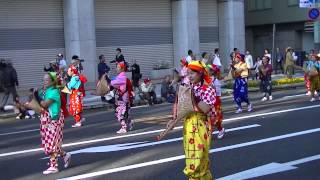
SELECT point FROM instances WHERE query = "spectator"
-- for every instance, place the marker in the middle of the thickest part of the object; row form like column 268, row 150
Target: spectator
column 205, row 57
column 167, row 91
column 52, row 67
column 10, row 81
column 249, row 61
column 2, row 67
column 278, row 61
column 265, row 71
column 190, row 56
column 103, row 68
column 216, row 59
column 119, row 57
column 23, row 112
column 61, row 62
column 267, row 53
column 76, row 62
column 148, row 93
column 289, row 63
column 136, row 75
column 257, row 63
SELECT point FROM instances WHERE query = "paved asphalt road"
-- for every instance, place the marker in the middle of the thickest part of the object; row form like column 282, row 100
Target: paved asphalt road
column 280, row 139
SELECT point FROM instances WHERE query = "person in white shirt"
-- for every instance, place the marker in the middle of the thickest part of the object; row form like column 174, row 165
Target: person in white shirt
column 190, row 55
column 148, row 93
column 205, row 57
column 248, row 59
column 216, row 59
column 267, row 53
column 62, row 63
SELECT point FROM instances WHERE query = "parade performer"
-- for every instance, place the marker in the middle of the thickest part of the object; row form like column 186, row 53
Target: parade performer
column 76, row 96
column 181, row 76
column 216, row 84
column 313, row 75
column 123, row 97
column 197, row 126
column 307, row 66
column 239, row 72
column 265, row 71
column 196, row 122
column 52, row 123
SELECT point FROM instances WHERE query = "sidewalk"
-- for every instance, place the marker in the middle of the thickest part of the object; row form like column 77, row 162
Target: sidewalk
column 93, row 102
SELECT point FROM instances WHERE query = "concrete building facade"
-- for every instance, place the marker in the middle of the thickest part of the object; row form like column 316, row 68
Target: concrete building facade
column 290, row 21
column 149, row 32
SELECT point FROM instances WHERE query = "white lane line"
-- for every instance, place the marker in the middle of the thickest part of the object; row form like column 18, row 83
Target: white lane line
column 292, row 96
column 271, row 113
column 135, row 145
column 160, row 161
column 18, row 132
column 268, row 169
column 100, row 140
column 157, row 131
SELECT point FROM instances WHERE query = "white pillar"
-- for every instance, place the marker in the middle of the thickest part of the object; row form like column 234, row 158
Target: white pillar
column 185, row 23
column 231, row 28
column 80, row 35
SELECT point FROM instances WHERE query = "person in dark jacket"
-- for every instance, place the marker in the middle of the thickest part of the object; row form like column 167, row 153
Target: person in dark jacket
column 119, row 57
column 10, row 81
column 2, row 66
column 136, row 75
column 103, row 68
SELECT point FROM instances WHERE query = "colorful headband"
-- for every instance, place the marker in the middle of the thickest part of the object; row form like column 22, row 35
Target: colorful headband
column 122, row 65
column 74, row 70
column 200, row 67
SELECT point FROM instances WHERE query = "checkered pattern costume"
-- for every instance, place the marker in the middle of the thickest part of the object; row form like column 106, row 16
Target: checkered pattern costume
column 51, row 133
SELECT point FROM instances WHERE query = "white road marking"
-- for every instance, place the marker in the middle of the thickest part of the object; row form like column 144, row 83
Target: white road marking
column 134, row 145
column 156, row 131
column 19, row 132
column 293, row 96
column 160, row 161
column 267, row 169
column 272, row 113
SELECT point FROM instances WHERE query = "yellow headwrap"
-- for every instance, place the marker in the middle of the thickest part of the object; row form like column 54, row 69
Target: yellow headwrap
column 200, row 67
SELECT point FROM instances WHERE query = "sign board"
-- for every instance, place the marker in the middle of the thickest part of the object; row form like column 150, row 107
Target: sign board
column 313, row 13
column 309, row 3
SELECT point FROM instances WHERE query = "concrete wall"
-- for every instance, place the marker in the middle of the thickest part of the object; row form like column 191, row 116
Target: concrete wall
column 279, row 13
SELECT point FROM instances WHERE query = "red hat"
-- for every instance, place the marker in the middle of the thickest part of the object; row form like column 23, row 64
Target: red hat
column 147, row 80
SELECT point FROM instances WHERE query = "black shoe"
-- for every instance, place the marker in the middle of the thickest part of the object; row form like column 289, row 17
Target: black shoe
column 2, row 110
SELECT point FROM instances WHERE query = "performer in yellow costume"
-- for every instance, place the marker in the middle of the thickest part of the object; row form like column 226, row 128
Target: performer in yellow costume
column 197, row 125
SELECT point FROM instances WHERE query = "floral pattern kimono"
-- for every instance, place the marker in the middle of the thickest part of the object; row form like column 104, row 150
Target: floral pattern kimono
column 197, row 136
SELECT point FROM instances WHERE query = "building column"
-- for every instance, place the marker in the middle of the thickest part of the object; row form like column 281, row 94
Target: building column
column 185, row 24
column 80, row 35
column 231, row 28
